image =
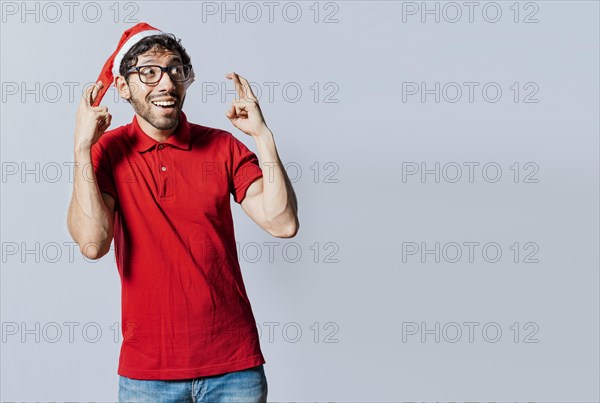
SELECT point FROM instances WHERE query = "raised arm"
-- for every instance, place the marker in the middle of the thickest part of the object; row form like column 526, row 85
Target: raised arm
column 91, row 213
column 270, row 201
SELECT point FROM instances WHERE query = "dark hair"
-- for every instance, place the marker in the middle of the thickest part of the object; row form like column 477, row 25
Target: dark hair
column 161, row 41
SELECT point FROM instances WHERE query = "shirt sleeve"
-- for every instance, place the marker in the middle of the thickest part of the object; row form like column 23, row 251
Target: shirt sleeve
column 244, row 169
column 103, row 171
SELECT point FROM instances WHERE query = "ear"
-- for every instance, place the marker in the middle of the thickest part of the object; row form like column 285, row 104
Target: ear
column 125, row 90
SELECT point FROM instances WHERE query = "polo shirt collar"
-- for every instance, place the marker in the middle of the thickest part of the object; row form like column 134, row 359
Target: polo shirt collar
column 180, row 137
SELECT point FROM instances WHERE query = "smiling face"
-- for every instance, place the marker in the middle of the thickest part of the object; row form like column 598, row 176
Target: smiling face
column 158, row 104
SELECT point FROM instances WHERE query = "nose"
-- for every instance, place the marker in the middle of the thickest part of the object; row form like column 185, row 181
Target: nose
column 165, row 83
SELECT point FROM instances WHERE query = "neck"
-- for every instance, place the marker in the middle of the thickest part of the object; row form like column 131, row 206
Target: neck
column 156, row 134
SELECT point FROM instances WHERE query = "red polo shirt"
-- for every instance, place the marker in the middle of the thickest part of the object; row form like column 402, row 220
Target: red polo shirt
column 185, row 312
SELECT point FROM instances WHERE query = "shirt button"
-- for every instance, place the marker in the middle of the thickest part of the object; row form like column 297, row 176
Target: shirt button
column 163, row 168
column 160, row 146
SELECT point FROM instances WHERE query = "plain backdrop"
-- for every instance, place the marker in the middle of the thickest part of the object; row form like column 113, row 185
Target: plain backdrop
column 447, row 179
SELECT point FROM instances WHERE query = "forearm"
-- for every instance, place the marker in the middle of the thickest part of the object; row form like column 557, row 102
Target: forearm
column 279, row 200
column 89, row 220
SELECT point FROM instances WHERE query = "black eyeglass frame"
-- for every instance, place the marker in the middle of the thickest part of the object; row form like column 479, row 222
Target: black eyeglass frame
column 163, row 70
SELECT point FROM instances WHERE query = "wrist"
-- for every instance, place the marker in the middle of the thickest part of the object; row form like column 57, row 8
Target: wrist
column 264, row 133
column 82, row 149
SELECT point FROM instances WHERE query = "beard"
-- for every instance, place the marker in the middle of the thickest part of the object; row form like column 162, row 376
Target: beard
column 152, row 115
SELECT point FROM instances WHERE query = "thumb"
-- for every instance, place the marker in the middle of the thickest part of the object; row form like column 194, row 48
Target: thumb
column 230, row 111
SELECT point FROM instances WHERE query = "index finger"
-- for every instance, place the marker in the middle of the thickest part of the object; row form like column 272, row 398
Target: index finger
column 238, row 85
column 85, row 98
column 246, row 86
column 94, row 93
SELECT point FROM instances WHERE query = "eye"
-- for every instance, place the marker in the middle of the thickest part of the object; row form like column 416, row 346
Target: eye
column 177, row 70
column 149, row 71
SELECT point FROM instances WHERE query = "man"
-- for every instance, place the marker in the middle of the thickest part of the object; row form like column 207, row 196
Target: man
column 161, row 187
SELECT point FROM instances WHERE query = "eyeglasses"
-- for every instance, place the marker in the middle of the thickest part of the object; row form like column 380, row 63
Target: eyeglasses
column 152, row 74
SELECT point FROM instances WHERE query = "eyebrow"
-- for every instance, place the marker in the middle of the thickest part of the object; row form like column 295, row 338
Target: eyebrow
column 152, row 59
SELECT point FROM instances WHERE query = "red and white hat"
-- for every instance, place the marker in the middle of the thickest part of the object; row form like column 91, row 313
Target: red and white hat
column 110, row 70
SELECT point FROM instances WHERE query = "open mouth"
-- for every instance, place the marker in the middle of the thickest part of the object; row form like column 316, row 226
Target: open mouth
column 164, row 104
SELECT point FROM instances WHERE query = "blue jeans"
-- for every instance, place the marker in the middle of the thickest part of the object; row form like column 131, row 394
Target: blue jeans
column 247, row 386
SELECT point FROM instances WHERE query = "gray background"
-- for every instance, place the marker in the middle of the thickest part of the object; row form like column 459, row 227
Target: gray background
column 356, row 299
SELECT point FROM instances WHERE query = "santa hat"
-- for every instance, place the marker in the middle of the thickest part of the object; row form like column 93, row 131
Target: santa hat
column 129, row 38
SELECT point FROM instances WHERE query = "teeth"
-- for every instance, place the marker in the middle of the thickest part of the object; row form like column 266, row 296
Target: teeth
column 163, row 103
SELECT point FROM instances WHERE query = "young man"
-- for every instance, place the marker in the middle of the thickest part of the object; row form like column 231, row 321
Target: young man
column 161, row 186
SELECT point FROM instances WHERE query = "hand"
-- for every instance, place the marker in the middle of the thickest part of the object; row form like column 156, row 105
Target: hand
column 244, row 112
column 92, row 121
